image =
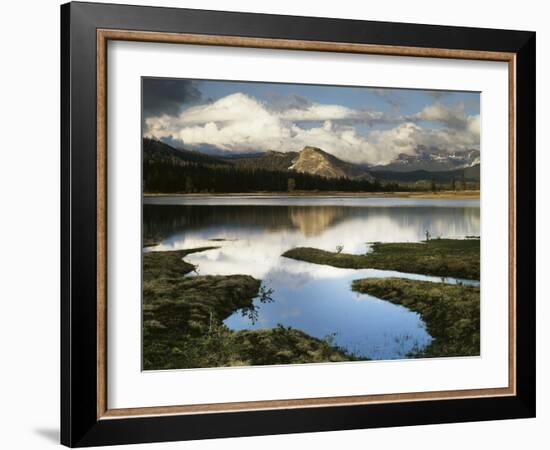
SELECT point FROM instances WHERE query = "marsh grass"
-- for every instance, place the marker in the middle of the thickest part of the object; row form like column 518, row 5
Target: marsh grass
column 169, row 265
column 440, row 257
column 451, row 312
column 183, row 320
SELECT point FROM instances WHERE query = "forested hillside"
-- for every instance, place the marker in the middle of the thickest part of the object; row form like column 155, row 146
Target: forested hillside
column 170, row 170
column 193, row 177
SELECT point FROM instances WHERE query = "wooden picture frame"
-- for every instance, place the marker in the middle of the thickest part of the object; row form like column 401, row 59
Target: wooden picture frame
column 86, row 418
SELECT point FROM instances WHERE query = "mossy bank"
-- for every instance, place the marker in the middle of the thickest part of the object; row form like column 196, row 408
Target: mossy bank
column 183, row 320
column 451, row 312
column 440, row 257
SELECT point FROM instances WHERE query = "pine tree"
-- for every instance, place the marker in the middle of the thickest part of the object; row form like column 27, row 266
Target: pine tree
column 291, row 184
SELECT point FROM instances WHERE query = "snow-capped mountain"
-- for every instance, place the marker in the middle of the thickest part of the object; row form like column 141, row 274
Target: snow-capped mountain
column 432, row 159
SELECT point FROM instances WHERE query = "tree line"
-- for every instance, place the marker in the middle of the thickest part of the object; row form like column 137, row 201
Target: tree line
column 191, row 177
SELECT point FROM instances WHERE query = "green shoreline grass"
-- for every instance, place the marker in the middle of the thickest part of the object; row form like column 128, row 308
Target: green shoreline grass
column 439, row 257
column 183, row 321
column 451, row 312
column 170, row 264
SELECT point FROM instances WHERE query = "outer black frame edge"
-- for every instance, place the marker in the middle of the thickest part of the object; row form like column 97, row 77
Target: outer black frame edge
column 525, row 222
column 301, row 420
column 79, row 426
column 65, row 227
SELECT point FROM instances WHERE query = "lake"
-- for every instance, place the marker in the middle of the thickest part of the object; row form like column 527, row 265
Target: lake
column 253, row 231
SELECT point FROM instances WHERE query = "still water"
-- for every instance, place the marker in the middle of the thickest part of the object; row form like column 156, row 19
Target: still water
column 252, row 233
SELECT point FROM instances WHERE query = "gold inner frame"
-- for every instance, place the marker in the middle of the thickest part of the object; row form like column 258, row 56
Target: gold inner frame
column 104, row 35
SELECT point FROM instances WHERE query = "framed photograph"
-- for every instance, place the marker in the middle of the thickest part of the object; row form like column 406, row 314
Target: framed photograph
column 276, row 224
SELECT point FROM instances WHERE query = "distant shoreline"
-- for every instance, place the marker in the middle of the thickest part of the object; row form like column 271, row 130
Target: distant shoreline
column 459, row 195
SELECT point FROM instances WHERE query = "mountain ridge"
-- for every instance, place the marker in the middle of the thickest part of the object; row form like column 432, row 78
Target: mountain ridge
column 158, row 151
column 271, row 160
column 433, row 160
column 315, row 161
column 443, row 176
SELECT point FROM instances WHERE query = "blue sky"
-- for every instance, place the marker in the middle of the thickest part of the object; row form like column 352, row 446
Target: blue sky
column 361, row 124
column 384, row 99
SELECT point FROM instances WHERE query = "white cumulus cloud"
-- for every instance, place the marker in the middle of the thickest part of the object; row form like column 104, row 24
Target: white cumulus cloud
column 453, row 117
column 240, row 123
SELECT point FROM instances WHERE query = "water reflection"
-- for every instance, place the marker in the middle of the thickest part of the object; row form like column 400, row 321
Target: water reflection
column 316, row 299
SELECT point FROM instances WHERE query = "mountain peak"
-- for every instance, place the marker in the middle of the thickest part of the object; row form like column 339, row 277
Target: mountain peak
column 315, row 161
column 311, row 151
column 310, row 148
